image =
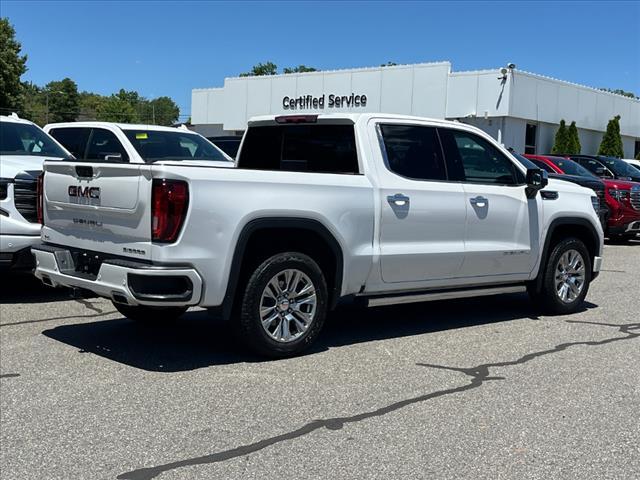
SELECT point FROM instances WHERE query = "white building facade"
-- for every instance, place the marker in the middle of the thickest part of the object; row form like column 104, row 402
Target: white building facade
column 520, row 109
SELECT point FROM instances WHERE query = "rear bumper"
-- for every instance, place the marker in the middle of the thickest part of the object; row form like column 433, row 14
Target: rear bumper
column 126, row 282
column 15, row 243
column 15, row 251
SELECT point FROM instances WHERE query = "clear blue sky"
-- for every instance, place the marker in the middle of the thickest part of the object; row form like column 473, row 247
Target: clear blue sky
column 170, row 47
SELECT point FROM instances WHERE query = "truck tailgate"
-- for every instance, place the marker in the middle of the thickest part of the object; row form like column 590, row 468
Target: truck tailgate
column 101, row 207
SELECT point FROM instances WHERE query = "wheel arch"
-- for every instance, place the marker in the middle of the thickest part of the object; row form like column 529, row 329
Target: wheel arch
column 564, row 227
column 332, row 264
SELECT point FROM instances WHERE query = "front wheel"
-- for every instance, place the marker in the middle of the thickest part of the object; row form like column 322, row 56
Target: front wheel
column 284, row 305
column 146, row 314
column 566, row 278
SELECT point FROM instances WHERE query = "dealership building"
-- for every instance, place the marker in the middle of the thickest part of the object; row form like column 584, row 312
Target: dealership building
column 520, row 109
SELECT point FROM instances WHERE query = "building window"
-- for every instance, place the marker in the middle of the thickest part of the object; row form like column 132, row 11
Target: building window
column 636, row 150
column 530, row 137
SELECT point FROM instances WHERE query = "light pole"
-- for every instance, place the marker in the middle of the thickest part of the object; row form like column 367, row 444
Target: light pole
column 47, row 92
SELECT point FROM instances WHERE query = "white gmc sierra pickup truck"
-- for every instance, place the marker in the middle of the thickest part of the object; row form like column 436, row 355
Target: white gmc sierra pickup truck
column 23, row 149
column 384, row 208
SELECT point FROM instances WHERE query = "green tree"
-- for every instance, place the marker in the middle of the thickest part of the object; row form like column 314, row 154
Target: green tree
column 299, row 69
column 164, row 111
column 117, row 108
column 573, row 144
column 33, row 107
column 388, row 64
column 619, row 91
column 12, row 67
column 611, row 144
column 268, row 68
column 90, row 104
column 63, row 100
column 561, row 142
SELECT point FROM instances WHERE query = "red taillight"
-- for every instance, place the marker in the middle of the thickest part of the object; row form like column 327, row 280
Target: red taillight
column 40, row 198
column 169, row 203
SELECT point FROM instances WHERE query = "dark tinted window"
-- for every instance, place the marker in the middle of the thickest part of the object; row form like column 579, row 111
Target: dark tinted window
column 104, row 145
column 529, row 163
column 155, row 145
column 530, row 138
column 73, row 139
column 474, row 160
column 570, row 167
column 413, row 151
column 229, row 146
column 542, row 165
column 592, row 165
column 27, row 139
column 300, row 148
column 619, row 167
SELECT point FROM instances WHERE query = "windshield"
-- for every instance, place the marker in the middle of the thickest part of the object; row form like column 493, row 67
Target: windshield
column 156, row 145
column 570, row 167
column 528, row 164
column 27, row 139
column 619, row 167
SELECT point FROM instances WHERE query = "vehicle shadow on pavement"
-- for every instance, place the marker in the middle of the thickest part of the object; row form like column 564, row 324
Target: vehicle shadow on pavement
column 23, row 287
column 197, row 340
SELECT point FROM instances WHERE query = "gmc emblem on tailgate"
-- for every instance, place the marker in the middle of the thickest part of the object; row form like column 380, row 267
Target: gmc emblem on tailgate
column 86, row 192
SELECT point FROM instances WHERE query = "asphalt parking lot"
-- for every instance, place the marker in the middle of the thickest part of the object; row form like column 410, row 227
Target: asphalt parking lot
column 481, row 388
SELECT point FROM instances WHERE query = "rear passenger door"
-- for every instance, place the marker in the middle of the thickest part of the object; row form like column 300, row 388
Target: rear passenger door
column 501, row 235
column 422, row 213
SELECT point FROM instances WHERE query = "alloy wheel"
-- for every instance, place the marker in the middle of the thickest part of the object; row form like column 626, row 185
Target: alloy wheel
column 570, row 276
column 288, row 305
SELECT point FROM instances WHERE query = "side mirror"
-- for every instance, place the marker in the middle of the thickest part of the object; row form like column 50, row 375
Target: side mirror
column 537, row 179
column 113, row 157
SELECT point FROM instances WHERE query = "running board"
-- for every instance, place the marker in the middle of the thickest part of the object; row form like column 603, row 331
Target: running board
column 443, row 295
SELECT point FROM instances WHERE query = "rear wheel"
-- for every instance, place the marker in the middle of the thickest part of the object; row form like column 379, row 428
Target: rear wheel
column 566, row 278
column 284, row 305
column 146, row 314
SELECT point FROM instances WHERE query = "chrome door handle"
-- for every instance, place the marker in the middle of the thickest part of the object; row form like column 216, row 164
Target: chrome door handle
column 479, row 201
column 399, row 200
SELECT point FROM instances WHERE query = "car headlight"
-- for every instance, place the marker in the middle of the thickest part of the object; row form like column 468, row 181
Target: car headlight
column 619, row 195
column 4, row 187
column 595, row 201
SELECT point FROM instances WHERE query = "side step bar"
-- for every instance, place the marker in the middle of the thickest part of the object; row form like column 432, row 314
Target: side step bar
column 443, row 295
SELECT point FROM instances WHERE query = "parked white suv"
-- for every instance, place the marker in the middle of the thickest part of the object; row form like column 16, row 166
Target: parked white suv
column 383, row 208
column 23, row 149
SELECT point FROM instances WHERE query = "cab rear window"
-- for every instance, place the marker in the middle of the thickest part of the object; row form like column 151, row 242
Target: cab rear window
column 300, row 148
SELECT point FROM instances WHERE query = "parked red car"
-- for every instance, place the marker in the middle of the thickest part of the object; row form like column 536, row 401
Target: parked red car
column 622, row 196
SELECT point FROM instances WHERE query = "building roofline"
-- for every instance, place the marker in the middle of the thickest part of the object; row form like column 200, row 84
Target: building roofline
column 543, row 77
column 421, row 64
column 338, row 70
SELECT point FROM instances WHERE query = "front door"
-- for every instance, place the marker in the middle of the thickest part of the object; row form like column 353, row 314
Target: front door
column 501, row 234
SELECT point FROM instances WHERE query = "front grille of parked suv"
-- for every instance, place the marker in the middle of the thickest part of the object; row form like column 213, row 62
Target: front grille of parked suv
column 635, row 197
column 25, row 198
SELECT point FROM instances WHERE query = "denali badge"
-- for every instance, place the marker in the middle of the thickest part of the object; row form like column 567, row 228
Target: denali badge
column 86, row 192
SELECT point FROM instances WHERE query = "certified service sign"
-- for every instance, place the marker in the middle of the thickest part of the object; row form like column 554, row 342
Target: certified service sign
column 332, row 101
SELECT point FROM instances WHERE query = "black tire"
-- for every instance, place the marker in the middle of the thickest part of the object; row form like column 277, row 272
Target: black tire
column 548, row 298
column 150, row 315
column 249, row 325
